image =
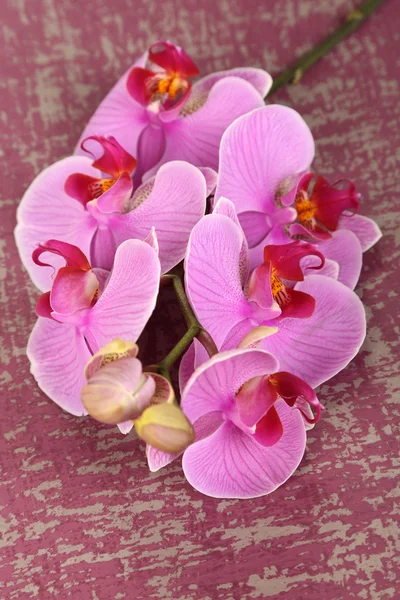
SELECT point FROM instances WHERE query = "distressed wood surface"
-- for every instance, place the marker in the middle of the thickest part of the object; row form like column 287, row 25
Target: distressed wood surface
column 80, row 515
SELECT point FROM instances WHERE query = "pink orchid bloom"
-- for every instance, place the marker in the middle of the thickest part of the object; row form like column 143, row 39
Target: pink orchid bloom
column 249, row 427
column 158, row 115
column 265, row 159
column 86, row 309
column 318, row 331
column 73, row 201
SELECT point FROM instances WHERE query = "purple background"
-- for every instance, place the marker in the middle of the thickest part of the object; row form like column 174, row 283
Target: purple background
column 80, row 515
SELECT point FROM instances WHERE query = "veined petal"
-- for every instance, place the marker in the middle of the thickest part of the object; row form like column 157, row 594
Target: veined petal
column 212, row 275
column 174, row 205
column 258, row 78
column 317, row 348
column 214, row 384
column 259, row 152
column 227, row 208
column 344, row 248
column 206, row 425
column 102, row 248
column 255, row 225
column 196, row 137
column 118, row 115
column 46, row 211
column 129, row 298
column 58, row 354
column 211, row 178
column 195, row 356
column 150, row 151
column 366, row 230
column 330, row 268
column 231, row 464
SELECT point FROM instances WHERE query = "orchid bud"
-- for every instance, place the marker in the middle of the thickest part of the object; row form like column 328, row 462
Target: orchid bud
column 118, row 391
column 165, row 427
column 115, row 350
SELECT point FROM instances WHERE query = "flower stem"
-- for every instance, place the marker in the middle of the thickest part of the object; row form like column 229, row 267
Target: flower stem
column 353, row 20
column 194, row 327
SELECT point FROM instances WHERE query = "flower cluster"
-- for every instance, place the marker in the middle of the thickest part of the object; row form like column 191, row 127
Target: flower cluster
column 269, row 272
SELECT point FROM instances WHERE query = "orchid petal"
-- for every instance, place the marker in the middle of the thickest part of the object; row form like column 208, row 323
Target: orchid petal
column 114, row 159
column 259, row 289
column 129, row 297
column 254, row 338
column 231, row 464
column 150, row 151
column 176, row 202
column 285, row 258
column 211, row 178
column 214, row 384
column 227, row 208
column 195, row 356
column 58, row 354
column 259, row 152
column 269, row 429
column 102, row 248
column 331, row 201
column 258, row 78
column 255, row 225
column 157, row 459
column 73, row 256
column 206, row 425
column 116, row 198
column 212, row 275
column 138, row 85
column 309, row 263
column 172, row 58
column 78, row 187
column 125, row 427
column 43, row 306
column 196, row 137
column 254, row 399
column 366, row 230
column 344, row 248
column 118, row 115
column 152, row 240
column 73, row 289
column 47, row 211
column 317, row 348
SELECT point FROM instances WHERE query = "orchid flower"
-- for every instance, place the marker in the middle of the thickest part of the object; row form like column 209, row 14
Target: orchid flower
column 265, row 159
column 320, row 323
column 71, row 200
column 158, row 115
column 85, row 309
column 248, row 419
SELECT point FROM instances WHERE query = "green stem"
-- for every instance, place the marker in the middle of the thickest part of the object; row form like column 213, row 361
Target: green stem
column 194, row 327
column 354, row 19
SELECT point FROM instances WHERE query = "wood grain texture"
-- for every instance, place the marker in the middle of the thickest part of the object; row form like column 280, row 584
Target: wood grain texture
column 80, row 515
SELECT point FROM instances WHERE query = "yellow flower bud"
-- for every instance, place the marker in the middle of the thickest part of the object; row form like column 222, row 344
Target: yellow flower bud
column 165, row 427
column 115, row 350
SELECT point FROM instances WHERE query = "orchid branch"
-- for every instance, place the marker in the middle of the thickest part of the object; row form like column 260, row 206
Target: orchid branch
column 195, row 329
column 353, row 20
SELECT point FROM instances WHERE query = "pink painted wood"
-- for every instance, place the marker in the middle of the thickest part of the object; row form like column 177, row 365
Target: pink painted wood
column 81, row 517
